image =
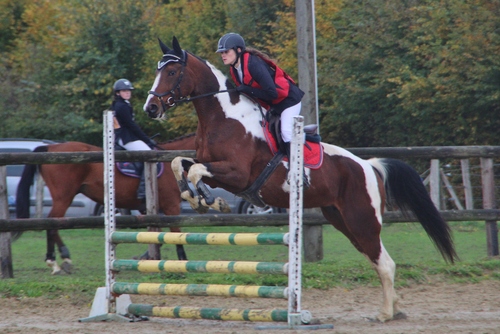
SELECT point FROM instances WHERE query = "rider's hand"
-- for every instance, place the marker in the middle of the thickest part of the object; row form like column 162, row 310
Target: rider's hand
column 244, row 89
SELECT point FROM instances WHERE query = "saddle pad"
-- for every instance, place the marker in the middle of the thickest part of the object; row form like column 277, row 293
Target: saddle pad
column 134, row 169
column 313, row 152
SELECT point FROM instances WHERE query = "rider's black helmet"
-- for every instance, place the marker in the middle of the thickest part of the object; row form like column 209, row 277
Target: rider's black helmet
column 122, row 84
column 230, row 41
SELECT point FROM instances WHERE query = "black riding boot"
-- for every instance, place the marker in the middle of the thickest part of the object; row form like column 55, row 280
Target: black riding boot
column 305, row 181
column 141, row 190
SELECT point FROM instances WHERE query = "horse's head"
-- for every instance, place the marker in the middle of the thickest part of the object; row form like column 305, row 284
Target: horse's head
column 171, row 84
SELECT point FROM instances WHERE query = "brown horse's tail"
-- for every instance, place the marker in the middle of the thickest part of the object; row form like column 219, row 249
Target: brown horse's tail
column 405, row 189
column 23, row 188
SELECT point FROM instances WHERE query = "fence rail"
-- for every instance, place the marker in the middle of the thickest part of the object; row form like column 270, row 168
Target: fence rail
column 312, row 222
column 275, row 219
column 429, row 152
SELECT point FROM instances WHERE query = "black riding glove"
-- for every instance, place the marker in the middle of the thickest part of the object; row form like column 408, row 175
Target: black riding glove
column 244, row 89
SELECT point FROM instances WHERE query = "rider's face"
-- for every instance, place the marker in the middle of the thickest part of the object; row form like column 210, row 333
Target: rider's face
column 228, row 57
column 125, row 94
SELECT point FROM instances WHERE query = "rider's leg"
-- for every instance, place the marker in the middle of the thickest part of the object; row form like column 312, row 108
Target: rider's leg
column 287, row 132
column 139, row 145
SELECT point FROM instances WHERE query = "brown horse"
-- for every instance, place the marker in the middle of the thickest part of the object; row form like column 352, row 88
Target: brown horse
column 65, row 181
column 231, row 152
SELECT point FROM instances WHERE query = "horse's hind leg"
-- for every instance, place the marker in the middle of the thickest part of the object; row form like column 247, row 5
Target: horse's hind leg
column 66, row 264
column 364, row 234
column 50, row 257
column 386, row 270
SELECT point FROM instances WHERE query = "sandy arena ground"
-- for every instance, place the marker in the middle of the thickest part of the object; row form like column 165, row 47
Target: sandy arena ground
column 436, row 308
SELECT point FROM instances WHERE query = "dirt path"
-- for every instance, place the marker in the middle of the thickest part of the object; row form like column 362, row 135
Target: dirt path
column 439, row 309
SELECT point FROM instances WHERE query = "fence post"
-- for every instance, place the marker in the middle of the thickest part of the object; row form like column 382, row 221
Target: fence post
column 40, row 185
column 469, row 200
column 152, row 204
column 488, row 183
column 313, row 240
column 434, row 183
column 5, row 242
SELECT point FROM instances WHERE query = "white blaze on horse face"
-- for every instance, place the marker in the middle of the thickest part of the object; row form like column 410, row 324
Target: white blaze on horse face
column 245, row 111
column 370, row 177
column 153, row 89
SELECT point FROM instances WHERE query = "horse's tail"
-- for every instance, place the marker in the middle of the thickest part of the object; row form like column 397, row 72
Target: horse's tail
column 23, row 188
column 405, row 189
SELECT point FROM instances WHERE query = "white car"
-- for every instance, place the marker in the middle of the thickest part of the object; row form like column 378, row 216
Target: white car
column 82, row 206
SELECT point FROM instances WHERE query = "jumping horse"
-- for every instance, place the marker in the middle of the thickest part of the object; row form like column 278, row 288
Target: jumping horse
column 65, row 181
column 231, row 153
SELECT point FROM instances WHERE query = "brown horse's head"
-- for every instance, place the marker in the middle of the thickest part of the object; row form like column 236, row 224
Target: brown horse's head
column 171, row 84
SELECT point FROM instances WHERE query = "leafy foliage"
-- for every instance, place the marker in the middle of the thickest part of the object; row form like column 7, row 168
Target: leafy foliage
column 390, row 73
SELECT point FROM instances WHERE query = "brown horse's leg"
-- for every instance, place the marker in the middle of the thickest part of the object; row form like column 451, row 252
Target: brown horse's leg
column 50, row 258
column 181, row 254
column 64, row 251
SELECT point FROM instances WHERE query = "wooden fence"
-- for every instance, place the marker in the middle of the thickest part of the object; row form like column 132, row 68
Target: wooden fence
column 313, row 241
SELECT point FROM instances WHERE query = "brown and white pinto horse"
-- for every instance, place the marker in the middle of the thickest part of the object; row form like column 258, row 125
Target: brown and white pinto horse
column 65, row 181
column 231, row 152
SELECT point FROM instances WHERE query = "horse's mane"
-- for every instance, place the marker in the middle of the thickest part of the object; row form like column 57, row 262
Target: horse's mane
column 204, row 61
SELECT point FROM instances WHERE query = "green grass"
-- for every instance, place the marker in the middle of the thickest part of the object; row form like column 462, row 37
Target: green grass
column 418, row 262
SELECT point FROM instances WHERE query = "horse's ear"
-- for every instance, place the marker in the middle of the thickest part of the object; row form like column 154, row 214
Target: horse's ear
column 163, row 47
column 177, row 47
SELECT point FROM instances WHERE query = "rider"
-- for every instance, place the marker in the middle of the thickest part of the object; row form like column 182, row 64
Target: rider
column 128, row 134
column 257, row 76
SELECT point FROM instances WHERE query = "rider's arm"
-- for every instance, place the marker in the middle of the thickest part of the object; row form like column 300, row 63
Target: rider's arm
column 260, row 73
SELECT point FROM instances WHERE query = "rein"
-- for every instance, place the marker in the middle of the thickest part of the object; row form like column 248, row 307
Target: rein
column 189, row 99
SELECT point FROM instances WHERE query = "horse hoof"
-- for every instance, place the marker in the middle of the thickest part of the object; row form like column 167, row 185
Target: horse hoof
column 56, row 270
column 400, row 316
column 223, row 206
column 67, row 266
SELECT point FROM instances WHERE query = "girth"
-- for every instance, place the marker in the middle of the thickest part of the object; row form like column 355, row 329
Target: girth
column 252, row 194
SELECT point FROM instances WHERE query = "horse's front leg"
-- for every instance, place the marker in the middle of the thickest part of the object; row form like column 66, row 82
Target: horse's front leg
column 195, row 173
column 179, row 165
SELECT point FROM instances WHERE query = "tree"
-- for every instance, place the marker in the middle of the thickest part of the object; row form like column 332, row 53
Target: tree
column 411, row 73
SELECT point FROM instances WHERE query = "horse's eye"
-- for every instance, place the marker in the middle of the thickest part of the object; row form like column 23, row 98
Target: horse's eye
column 171, row 73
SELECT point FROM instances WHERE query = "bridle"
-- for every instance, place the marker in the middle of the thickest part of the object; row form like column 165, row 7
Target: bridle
column 172, row 101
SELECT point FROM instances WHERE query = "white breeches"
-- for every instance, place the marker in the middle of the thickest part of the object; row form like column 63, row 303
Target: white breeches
column 137, row 145
column 287, row 121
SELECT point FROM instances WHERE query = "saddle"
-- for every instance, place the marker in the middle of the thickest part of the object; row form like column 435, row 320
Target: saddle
column 135, row 169
column 313, row 150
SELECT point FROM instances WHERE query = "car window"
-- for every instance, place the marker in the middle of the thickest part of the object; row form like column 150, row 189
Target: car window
column 14, row 170
column 14, row 150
